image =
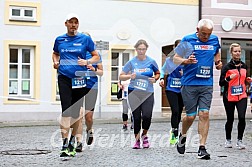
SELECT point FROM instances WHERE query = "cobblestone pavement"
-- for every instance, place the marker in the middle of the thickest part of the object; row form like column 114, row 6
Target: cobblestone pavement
column 40, row 146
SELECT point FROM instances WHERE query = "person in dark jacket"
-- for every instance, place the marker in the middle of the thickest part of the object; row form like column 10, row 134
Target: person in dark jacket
column 234, row 80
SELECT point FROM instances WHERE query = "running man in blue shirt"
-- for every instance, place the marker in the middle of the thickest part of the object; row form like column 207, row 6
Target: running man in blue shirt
column 173, row 93
column 69, row 57
column 143, row 72
column 197, row 82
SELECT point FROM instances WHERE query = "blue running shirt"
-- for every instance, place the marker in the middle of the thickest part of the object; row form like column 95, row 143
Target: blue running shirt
column 144, row 69
column 174, row 78
column 92, row 79
column 69, row 49
column 200, row 73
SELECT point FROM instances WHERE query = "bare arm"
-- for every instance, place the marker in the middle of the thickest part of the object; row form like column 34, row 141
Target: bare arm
column 217, row 60
column 119, row 84
column 95, row 58
column 55, row 58
column 155, row 78
column 98, row 70
column 123, row 76
column 177, row 59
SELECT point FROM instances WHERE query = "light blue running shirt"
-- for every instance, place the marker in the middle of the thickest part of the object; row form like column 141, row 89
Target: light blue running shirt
column 200, row 73
column 144, row 69
column 69, row 49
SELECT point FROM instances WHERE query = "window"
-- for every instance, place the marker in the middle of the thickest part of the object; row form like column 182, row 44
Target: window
column 232, row 4
column 21, row 72
column 21, row 13
column 118, row 59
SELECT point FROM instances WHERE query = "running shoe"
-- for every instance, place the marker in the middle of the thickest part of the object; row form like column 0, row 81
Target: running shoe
column 137, row 145
column 131, row 127
column 72, row 150
column 146, row 143
column 64, row 152
column 202, row 153
column 181, row 144
column 228, row 143
column 240, row 145
column 125, row 127
column 79, row 147
column 90, row 137
column 173, row 140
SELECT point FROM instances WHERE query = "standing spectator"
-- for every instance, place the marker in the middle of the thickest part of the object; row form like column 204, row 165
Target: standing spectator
column 197, row 82
column 69, row 56
column 234, row 79
column 173, row 93
column 123, row 85
column 143, row 72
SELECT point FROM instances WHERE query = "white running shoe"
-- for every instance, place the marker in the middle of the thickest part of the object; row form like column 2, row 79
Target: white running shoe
column 240, row 145
column 228, row 143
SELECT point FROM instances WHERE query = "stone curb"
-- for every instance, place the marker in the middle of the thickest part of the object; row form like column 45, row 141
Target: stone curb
column 96, row 121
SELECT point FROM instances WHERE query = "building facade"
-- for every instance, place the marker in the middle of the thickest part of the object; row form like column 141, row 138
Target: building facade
column 28, row 86
column 233, row 23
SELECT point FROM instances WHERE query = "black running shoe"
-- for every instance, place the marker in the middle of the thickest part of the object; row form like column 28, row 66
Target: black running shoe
column 181, row 144
column 64, row 152
column 131, row 127
column 79, row 147
column 72, row 151
column 90, row 137
column 202, row 153
column 125, row 127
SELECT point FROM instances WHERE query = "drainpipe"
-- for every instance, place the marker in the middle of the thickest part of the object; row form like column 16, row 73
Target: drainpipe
column 200, row 9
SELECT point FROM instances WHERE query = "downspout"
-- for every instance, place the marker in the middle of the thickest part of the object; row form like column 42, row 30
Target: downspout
column 200, row 9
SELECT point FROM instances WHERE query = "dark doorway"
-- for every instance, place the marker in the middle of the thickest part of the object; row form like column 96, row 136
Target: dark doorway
column 166, row 51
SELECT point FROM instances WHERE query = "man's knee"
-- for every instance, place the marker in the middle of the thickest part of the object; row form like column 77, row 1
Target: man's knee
column 190, row 118
column 203, row 115
column 89, row 117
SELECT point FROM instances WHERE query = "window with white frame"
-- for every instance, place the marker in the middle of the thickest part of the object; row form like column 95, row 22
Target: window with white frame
column 118, row 59
column 21, row 72
column 22, row 13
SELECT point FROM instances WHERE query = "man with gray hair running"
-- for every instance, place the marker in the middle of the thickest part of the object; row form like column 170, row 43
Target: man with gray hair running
column 197, row 81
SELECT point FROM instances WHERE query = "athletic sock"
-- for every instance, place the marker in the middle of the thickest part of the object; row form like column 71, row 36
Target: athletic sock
column 175, row 131
column 65, row 142
column 72, row 140
column 201, row 147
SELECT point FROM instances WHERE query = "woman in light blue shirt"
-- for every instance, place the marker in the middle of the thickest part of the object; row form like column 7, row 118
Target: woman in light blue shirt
column 143, row 72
